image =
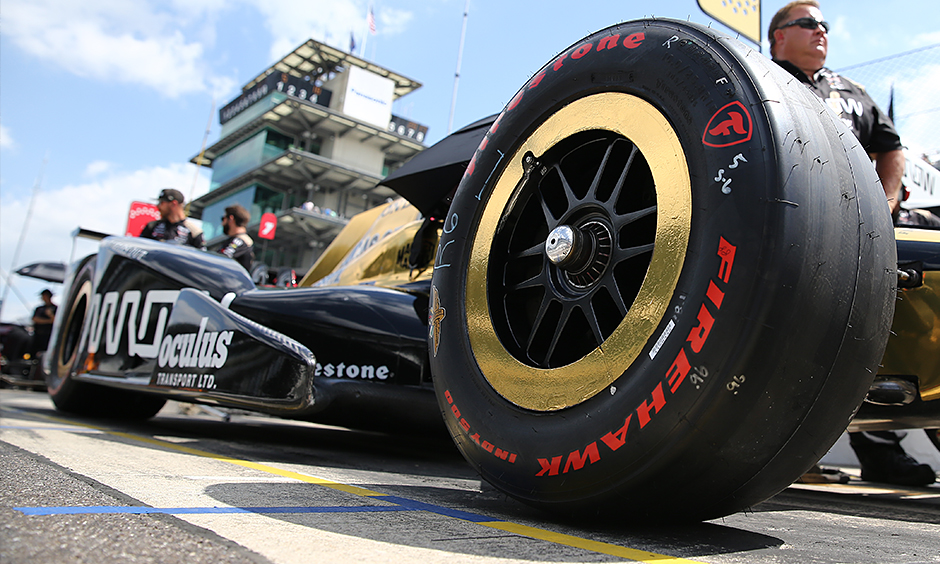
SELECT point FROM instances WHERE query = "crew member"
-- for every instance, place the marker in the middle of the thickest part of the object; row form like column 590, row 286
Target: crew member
column 239, row 245
column 173, row 225
column 43, row 317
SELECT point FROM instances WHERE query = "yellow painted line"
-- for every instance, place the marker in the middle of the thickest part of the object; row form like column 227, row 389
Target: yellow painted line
column 222, row 458
column 586, row 544
column 515, row 528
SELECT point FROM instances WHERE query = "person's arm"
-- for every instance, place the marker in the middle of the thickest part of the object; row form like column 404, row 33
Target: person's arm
column 890, row 169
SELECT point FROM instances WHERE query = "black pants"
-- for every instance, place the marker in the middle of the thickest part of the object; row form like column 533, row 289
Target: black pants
column 864, row 439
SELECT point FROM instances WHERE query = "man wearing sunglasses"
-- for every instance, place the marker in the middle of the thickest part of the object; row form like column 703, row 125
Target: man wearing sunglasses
column 239, row 245
column 799, row 42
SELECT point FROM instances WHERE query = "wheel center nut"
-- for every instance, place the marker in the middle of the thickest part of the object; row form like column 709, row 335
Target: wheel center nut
column 560, row 244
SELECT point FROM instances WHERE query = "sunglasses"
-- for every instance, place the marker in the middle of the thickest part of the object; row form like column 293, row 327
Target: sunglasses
column 807, row 23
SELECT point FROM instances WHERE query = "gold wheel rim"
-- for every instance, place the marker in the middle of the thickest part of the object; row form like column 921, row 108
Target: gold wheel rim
column 552, row 389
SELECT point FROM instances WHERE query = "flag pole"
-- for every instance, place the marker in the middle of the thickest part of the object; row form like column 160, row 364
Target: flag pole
column 202, row 152
column 453, row 99
column 19, row 245
column 365, row 35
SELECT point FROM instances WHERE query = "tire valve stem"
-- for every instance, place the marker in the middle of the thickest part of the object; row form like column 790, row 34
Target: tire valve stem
column 909, row 278
column 529, row 163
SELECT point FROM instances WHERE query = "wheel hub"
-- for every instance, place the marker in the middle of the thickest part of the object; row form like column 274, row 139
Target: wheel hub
column 563, row 245
column 582, row 254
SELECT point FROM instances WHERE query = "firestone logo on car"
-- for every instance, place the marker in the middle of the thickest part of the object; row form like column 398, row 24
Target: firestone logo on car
column 343, row 370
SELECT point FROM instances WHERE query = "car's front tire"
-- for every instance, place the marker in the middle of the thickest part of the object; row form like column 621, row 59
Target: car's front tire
column 68, row 356
column 664, row 283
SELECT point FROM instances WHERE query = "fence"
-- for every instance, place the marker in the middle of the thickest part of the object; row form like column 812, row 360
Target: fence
column 914, row 77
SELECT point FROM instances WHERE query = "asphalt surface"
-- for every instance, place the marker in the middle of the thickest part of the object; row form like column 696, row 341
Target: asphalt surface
column 187, row 486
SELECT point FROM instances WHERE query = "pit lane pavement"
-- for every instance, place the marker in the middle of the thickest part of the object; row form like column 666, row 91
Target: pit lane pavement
column 192, row 488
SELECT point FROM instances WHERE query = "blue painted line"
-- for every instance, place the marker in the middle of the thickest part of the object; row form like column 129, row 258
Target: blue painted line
column 412, row 505
column 137, row 510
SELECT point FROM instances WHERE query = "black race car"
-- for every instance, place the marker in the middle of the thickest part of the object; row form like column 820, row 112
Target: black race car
column 661, row 290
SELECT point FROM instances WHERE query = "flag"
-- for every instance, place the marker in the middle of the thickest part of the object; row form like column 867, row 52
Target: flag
column 352, row 42
column 741, row 16
column 371, row 21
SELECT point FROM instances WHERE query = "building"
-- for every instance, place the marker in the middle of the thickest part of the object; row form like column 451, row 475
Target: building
column 308, row 140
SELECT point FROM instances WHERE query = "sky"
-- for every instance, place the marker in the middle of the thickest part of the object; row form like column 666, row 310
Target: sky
column 104, row 102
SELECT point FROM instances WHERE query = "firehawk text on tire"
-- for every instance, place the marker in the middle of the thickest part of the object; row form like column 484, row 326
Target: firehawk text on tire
column 664, row 282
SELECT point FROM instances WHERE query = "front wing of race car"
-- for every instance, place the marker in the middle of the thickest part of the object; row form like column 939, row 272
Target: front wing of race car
column 207, row 351
column 150, row 321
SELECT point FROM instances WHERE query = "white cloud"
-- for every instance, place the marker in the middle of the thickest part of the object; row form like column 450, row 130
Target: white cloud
column 924, row 39
column 291, row 22
column 100, row 205
column 392, row 21
column 840, row 30
column 163, row 46
column 97, row 168
column 130, row 42
column 6, row 139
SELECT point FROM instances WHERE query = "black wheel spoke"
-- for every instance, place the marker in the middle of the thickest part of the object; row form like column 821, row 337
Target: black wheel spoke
column 621, row 180
column 592, row 191
column 621, row 255
column 549, row 217
column 535, row 250
column 547, row 300
column 536, row 281
column 594, row 324
column 631, row 217
column 616, row 294
column 565, row 315
column 553, row 339
column 569, row 191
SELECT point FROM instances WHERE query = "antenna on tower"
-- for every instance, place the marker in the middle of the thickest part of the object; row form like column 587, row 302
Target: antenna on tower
column 453, row 100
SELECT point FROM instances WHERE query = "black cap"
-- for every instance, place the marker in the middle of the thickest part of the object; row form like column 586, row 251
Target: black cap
column 171, row 195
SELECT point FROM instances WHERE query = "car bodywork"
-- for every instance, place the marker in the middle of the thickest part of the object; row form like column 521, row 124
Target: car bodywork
column 913, row 353
column 349, row 345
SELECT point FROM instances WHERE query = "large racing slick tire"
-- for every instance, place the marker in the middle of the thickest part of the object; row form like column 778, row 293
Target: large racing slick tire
column 664, row 283
column 83, row 398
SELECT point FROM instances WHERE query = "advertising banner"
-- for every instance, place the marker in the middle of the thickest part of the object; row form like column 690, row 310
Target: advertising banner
column 368, row 97
column 922, row 182
column 139, row 216
column 268, row 226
